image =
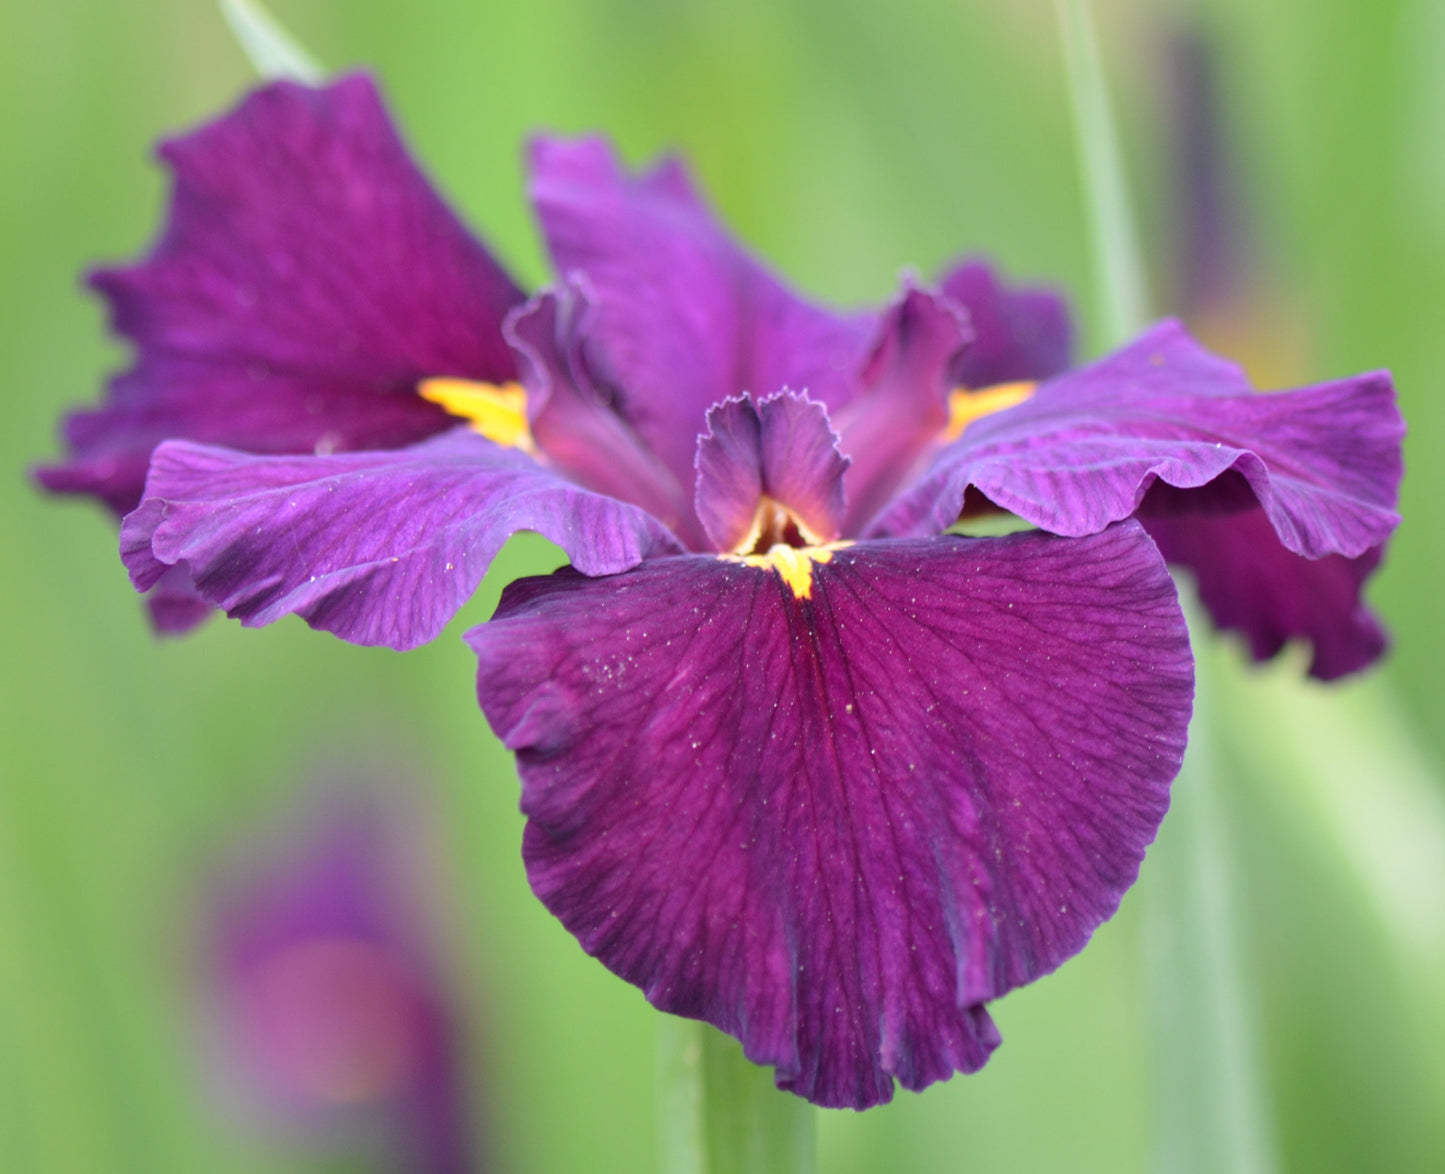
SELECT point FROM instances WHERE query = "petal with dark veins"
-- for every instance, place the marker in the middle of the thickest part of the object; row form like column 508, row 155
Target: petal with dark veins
column 578, row 424
column 1166, row 419
column 758, row 455
column 307, row 278
column 836, row 825
column 686, row 318
column 1252, row 585
column 379, row 547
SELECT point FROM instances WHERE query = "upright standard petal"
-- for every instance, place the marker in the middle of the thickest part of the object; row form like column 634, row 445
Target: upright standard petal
column 1164, row 426
column 379, row 547
column 580, row 425
column 834, row 823
column 901, row 398
column 766, row 466
column 685, row 318
column 1018, row 334
column 307, row 278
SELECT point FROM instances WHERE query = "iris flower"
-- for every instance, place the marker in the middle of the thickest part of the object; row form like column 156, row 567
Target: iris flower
column 796, row 758
column 334, row 1022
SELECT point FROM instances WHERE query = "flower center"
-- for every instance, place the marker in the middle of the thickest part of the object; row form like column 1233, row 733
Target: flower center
column 774, row 524
column 793, row 564
column 497, row 411
column 781, row 542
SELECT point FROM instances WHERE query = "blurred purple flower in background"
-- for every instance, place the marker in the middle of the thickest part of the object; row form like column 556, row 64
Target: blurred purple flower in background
column 1211, row 249
column 333, row 1023
column 796, row 759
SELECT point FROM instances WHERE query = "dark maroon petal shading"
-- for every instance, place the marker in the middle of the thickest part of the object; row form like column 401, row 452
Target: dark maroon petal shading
column 684, row 317
column 1018, row 334
column 308, row 276
column 1253, row 585
column 780, row 447
column 1165, row 418
column 835, row 826
column 901, row 404
column 578, row 424
column 379, row 547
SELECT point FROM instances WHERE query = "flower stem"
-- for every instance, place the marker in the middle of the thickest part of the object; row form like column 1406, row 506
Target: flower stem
column 1121, row 289
column 718, row 1113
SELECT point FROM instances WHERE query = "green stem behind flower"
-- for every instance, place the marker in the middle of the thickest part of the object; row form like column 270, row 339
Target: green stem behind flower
column 1211, row 1111
column 273, row 52
column 718, row 1113
column 1121, row 290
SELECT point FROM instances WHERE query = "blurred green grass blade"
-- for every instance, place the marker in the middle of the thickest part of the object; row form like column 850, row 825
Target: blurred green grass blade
column 1351, row 769
column 270, row 48
column 718, row 1113
column 1211, row 1112
column 1208, row 1094
column 1119, row 272
column 1351, row 765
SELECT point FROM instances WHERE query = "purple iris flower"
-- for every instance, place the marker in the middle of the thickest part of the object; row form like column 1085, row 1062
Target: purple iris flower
column 796, row 759
column 307, row 278
column 333, row 1022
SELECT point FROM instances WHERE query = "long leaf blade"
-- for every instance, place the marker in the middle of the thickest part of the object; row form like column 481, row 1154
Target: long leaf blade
column 273, row 51
column 1119, row 272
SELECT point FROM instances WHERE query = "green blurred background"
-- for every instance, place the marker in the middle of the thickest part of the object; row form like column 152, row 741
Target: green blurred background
column 844, row 139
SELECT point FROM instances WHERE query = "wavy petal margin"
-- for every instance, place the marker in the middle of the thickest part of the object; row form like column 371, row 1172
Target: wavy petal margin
column 379, row 548
column 307, row 277
column 685, row 317
column 1165, row 420
column 1254, row 586
column 835, row 826
column 779, row 449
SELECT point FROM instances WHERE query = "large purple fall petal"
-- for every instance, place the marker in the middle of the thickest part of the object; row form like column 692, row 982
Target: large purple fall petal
column 380, row 547
column 307, row 278
column 835, row 826
column 1252, row 585
column 780, row 448
column 685, row 318
column 1018, row 334
column 1163, row 416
